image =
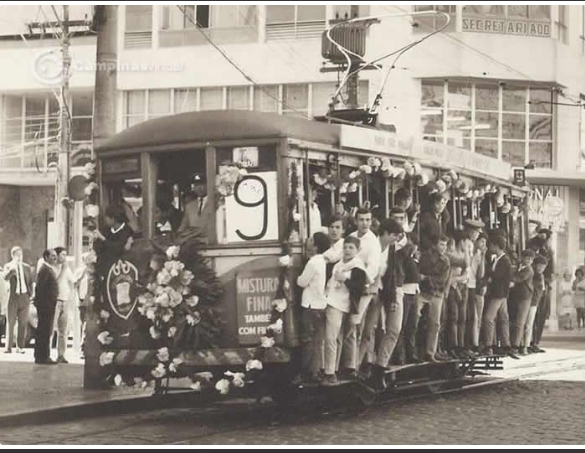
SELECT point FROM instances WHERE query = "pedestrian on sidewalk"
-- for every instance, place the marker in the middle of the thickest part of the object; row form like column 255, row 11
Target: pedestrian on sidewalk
column 531, row 334
column 579, row 296
column 567, row 307
column 65, row 281
column 20, row 277
column 83, row 281
column 46, row 293
column 521, row 298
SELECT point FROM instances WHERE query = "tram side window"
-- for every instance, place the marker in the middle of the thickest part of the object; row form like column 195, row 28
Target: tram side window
column 123, row 186
column 181, row 193
column 248, row 210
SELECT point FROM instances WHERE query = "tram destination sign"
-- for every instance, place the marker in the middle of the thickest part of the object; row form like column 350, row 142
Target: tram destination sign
column 255, row 292
column 506, row 26
column 121, row 165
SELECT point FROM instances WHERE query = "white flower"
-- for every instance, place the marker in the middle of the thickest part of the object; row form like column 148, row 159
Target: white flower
column 194, row 319
column 470, row 194
column 365, row 169
column 354, row 174
column 90, row 188
column 205, row 375
column 296, row 216
column 176, row 298
column 164, row 277
column 285, row 261
column 192, row 301
column 223, row 386
column 401, row 173
column 150, row 313
column 172, row 332
column 139, row 381
column 92, row 210
column 145, row 384
column 105, row 338
column 441, row 186
column 343, row 188
column 159, row 372
column 173, row 252
column 89, row 169
column 154, row 333
column 417, row 168
column 408, row 168
column 106, row 358
column 104, row 315
column 243, row 171
column 238, row 378
column 266, row 342
column 146, row 299
column 374, row 162
column 163, row 354
column 163, row 300
column 118, row 380
column 187, row 277
column 253, row 365
column 167, row 315
column 280, row 305
column 286, row 284
column 276, row 327
column 300, row 192
column 196, row 386
column 319, row 180
column 353, row 187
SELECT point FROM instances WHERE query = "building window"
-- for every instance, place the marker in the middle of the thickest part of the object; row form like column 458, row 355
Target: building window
column 138, row 30
column 135, row 111
column 295, row 21
column 266, row 98
column 432, row 23
column 514, row 122
column 180, row 17
column 185, row 100
column 82, row 117
column 562, row 24
column 238, row 98
column 531, row 20
column 296, row 100
column 211, row 98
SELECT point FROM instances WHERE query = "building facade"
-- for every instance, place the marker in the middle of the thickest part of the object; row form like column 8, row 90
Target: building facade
column 506, row 81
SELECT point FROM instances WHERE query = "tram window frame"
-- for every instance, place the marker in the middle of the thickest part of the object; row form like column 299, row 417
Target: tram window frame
column 110, row 180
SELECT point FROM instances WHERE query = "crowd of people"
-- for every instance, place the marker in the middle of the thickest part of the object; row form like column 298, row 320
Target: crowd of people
column 412, row 289
column 47, row 292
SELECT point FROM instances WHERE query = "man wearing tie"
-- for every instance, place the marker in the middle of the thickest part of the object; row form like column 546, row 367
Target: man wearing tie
column 198, row 211
column 20, row 276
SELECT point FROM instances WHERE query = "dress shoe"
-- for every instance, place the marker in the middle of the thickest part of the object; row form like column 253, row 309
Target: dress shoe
column 8, row 351
column 366, row 371
column 20, row 351
column 378, row 380
column 512, row 354
column 329, row 380
column 62, row 359
column 430, row 359
column 46, row 362
column 522, row 351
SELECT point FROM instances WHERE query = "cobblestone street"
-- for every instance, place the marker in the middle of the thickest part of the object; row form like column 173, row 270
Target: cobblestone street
column 526, row 412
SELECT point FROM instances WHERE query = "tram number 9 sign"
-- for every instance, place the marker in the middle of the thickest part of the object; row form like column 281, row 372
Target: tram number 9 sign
column 251, row 212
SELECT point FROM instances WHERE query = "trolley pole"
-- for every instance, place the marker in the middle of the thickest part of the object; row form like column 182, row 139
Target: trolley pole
column 62, row 214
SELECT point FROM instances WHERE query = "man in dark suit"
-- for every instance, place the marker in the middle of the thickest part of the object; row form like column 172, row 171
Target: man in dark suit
column 498, row 289
column 434, row 222
column 20, row 276
column 47, row 291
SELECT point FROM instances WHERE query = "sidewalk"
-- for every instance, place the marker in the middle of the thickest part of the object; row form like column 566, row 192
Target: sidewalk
column 564, row 335
column 28, row 390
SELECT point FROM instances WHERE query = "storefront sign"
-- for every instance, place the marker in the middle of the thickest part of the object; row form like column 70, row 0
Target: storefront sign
column 255, row 292
column 252, row 212
column 546, row 204
column 506, row 26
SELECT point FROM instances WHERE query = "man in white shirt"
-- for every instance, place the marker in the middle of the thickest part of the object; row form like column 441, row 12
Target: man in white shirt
column 370, row 253
column 336, row 232
column 65, row 281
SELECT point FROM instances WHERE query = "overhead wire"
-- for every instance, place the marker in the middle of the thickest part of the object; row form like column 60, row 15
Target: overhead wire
column 235, row 65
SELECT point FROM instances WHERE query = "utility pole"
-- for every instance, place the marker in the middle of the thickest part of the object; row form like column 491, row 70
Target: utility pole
column 62, row 214
column 104, row 126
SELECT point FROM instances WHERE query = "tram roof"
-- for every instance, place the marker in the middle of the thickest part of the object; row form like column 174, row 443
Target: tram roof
column 219, row 125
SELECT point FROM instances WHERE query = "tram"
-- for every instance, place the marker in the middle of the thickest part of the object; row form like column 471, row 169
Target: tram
column 215, row 300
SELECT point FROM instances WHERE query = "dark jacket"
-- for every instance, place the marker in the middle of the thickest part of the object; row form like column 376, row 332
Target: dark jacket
column 437, row 269
column 542, row 248
column 112, row 248
column 431, row 227
column 523, row 285
column 500, row 279
column 393, row 278
column 28, row 279
column 356, row 284
column 47, row 289
column 411, row 272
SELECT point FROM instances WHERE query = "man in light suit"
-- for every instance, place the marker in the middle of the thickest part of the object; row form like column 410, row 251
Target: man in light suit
column 198, row 211
column 20, row 277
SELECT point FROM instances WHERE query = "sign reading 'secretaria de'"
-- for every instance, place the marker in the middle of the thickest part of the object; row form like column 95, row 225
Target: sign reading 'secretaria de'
column 506, row 26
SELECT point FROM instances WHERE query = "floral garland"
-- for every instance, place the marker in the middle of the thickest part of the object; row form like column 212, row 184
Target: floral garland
column 295, row 192
column 227, row 178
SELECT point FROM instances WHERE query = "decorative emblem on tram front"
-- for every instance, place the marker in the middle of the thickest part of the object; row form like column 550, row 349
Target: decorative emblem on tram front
column 120, row 288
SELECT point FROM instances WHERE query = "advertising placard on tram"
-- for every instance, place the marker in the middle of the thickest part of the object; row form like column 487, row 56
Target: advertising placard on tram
column 252, row 211
column 255, row 292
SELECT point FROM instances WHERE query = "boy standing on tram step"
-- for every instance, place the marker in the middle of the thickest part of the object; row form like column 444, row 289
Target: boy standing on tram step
column 435, row 271
column 344, row 290
column 313, row 305
column 521, row 298
column 496, row 306
column 388, row 305
column 369, row 253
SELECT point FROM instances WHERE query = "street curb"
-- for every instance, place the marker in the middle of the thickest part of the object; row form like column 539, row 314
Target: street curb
column 102, row 408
